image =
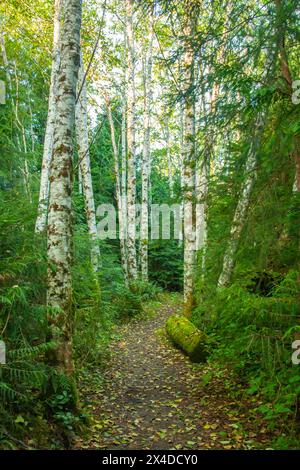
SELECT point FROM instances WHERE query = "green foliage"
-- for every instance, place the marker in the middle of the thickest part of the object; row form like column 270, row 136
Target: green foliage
column 250, row 324
column 60, row 405
column 166, row 264
column 145, row 290
column 253, row 335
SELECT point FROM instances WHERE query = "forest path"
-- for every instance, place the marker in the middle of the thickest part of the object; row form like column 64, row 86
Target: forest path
column 153, row 397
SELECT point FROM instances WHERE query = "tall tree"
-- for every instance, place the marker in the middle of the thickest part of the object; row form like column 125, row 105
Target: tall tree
column 189, row 155
column 131, row 169
column 242, row 205
column 59, row 251
column 147, row 88
column 119, row 195
column 85, row 167
column 240, row 213
column 41, row 220
column 168, row 152
column 18, row 125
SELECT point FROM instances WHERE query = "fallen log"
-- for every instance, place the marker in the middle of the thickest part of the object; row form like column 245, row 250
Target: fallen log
column 187, row 337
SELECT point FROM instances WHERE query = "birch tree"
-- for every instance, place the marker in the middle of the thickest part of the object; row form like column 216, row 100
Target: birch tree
column 168, row 152
column 119, row 196
column 189, row 159
column 41, row 220
column 59, row 250
column 124, row 164
column 131, row 170
column 181, row 165
column 19, row 127
column 85, row 177
column 147, row 83
column 286, row 75
column 201, row 186
column 203, row 167
column 250, row 175
column 241, row 210
column 124, row 147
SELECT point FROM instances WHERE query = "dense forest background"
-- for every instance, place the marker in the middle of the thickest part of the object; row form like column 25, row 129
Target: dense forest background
column 213, row 92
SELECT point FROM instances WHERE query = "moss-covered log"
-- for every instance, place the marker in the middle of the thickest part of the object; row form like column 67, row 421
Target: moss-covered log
column 185, row 335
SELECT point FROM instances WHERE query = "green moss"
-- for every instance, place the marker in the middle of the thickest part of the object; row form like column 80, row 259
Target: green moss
column 185, row 335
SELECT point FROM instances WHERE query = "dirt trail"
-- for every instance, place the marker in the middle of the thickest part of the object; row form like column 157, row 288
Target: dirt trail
column 152, row 397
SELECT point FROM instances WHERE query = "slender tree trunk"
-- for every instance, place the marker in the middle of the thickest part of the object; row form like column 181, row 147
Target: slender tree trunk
column 250, row 174
column 168, row 149
column 147, row 79
column 21, row 127
column 182, row 185
column 288, row 77
column 131, row 171
column 32, row 136
column 17, row 123
column 203, row 174
column 41, row 220
column 80, row 188
column 281, row 33
column 124, row 167
column 5, row 61
column 242, row 205
column 297, row 164
column 59, row 294
column 201, row 181
column 85, row 169
column 189, row 168
column 124, row 150
column 118, row 190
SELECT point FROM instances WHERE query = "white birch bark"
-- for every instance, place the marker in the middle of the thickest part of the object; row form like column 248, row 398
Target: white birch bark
column 181, row 139
column 32, row 135
column 80, row 189
column 131, row 170
column 85, row 168
column 41, row 220
column 124, row 167
column 5, row 60
column 242, row 205
column 202, row 179
column 15, row 105
column 21, row 128
column 201, row 211
column 119, row 198
column 250, row 174
column 59, row 250
column 124, row 148
column 168, row 151
column 188, row 169
column 147, row 81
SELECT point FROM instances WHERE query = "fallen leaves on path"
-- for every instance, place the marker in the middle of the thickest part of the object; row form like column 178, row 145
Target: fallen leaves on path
column 153, row 397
